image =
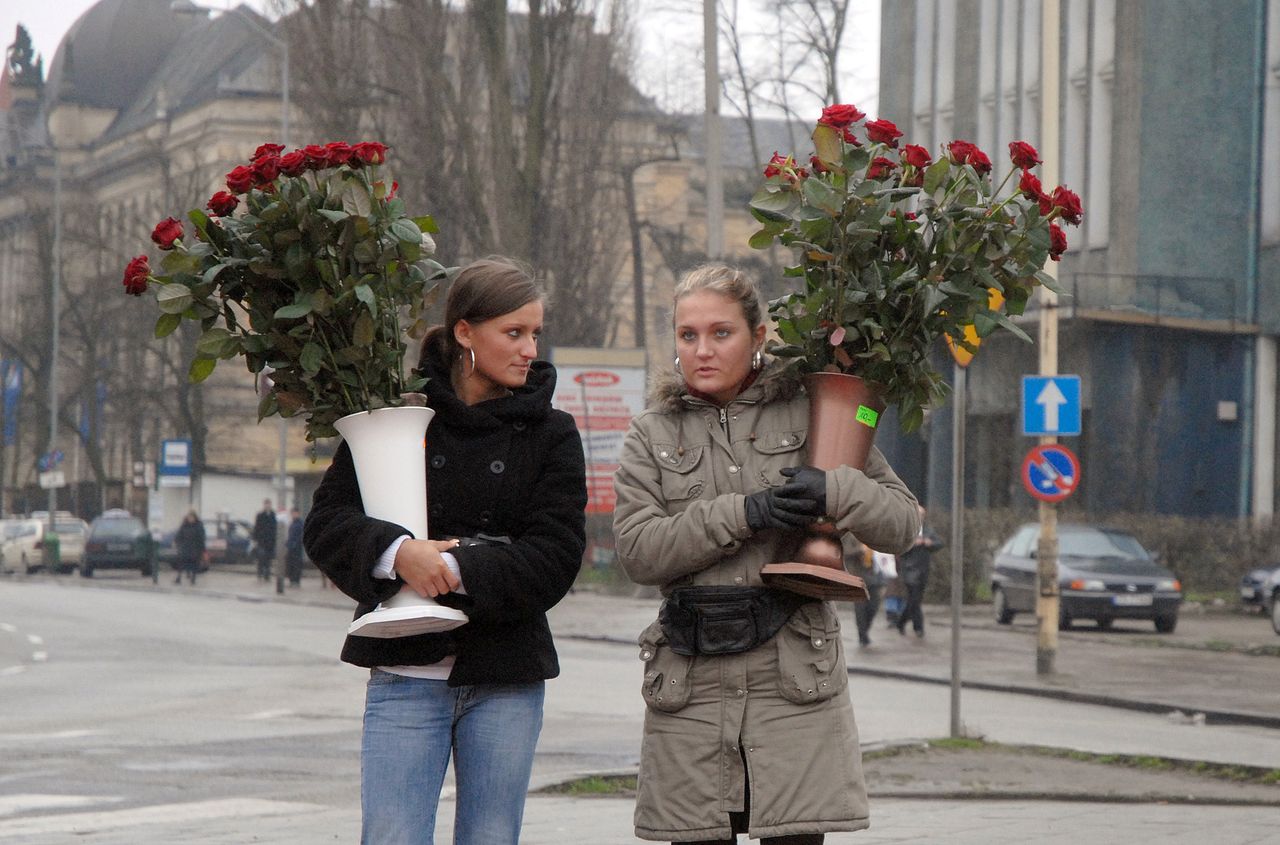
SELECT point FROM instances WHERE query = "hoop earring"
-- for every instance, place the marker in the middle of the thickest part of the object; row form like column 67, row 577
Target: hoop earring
column 757, row 360
column 473, row 362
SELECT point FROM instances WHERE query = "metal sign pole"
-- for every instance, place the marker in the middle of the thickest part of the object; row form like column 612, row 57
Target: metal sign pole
column 957, row 540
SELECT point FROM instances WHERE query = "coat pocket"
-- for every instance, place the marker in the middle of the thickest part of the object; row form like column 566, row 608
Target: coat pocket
column 810, row 655
column 678, row 465
column 666, row 674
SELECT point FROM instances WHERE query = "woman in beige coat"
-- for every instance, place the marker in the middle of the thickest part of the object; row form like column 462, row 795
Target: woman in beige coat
column 748, row 727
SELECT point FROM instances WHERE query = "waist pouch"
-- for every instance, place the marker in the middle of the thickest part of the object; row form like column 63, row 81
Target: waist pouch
column 724, row 620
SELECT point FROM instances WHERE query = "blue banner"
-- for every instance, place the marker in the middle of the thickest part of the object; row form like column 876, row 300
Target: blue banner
column 11, row 377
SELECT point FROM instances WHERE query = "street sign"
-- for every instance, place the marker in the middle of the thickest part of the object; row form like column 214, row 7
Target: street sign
column 175, row 459
column 1050, row 472
column 1051, row 406
column 53, row 479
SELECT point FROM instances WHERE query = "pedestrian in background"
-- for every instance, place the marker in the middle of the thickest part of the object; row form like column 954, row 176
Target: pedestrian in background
column 748, row 725
column 293, row 553
column 505, row 469
column 874, row 568
column 189, row 542
column 264, row 539
column 913, row 569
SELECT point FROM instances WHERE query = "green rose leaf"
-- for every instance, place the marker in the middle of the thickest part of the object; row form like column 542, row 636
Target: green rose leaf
column 312, row 357
column 293, row 312
column 166, row 324
column 427, row 223
column 407, row 231
column 201, row 369
column 173, row 298
column 213, row 342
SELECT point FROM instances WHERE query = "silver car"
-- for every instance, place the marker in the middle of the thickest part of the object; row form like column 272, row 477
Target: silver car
column 1103, row 575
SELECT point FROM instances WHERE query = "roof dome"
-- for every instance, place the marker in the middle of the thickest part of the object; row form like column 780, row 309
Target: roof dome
column 113, row 49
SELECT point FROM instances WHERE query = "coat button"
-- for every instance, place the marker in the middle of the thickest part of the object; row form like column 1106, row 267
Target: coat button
column 519, row 425
column 645, row 655
column 741, row 693
column 818, row 642
column 733, row 469
column 497, row 467
column 664, row 454
column 437, row 462
column 738, row 579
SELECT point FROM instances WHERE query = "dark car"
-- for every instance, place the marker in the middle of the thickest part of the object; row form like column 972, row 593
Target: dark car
column 1271, row 590
column 117, row 540
column 1252, row 584
column 225, row 541
column 1103, row 575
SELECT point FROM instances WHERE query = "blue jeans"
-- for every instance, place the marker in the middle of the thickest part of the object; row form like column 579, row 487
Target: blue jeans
column 411, row 726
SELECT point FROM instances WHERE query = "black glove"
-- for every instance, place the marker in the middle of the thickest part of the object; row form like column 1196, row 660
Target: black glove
column 812, row 481
column 780, row 507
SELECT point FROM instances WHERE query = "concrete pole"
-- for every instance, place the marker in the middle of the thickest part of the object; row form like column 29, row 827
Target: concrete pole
column 1047, row 598
column 1264, row 429
column 54, row 319
column 714, row 131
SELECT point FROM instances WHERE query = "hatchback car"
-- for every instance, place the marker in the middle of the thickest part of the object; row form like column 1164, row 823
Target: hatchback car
column 1252, row 583
column 22, row 545
column 117, row 540
column 1271, row 589
column 1103, row 575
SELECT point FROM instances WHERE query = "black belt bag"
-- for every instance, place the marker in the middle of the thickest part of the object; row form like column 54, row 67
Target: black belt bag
column 724, row 620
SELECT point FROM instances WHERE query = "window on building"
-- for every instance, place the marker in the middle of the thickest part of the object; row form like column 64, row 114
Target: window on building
column 922, row 90
column 1271, row 138
column 1097, row 191
column 1075, row 127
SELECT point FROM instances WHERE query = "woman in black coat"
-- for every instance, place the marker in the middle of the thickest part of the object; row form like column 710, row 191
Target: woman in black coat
column 503, row 468
column 190, row 544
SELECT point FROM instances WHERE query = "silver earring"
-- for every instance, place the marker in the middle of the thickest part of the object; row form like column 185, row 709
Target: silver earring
column 677, row 362
column 757, row 360
column 473, row 362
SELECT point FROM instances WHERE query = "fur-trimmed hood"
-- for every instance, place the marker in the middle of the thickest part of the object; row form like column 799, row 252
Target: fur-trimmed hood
column 669, row 393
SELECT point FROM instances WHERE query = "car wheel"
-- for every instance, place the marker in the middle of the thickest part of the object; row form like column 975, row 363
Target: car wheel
column 1000, row 606
column 86, row 571
column 1105, row 624
column 1166, row 624
column 1275, row 613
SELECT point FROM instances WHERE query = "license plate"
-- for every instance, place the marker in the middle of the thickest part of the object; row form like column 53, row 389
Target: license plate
column 1248, row 593
column 1136, row 600
column 118, row 547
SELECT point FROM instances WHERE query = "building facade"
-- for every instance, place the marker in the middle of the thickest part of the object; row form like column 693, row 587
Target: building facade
column 1169, row 129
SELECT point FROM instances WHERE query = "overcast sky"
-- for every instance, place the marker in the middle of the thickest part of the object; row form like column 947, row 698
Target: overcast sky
column 671, row 43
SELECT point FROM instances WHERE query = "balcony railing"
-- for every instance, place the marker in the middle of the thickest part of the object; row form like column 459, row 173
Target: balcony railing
column 1203, row 303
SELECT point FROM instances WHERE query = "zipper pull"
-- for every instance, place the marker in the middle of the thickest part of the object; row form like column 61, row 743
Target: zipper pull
column 724, row 418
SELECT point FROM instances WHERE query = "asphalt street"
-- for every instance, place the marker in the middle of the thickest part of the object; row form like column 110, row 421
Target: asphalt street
column 147, row 713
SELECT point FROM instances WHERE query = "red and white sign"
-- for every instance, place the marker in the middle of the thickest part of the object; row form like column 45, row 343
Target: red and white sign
column 602, row 399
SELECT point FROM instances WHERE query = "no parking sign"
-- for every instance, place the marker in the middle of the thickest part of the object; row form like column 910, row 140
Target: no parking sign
column 1050, row 472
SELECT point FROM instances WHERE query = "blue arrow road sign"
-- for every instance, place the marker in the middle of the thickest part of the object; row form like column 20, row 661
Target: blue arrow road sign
column 1051, row 406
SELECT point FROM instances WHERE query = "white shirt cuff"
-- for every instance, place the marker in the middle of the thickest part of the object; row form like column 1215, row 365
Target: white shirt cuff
column 386, row 565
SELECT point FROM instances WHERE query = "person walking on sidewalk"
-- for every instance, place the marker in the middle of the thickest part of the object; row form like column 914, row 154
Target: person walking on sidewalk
column 189, row 542
column 503, row 467
column 748, row 724
column 874, row 568
column 264, row 539
column 913, row 569
column 293, row 553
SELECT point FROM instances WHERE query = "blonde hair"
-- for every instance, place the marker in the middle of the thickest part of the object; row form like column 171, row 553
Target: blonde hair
column 731, row 283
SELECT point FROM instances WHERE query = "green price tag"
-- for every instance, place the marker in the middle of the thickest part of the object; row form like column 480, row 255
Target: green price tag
column 867, row 416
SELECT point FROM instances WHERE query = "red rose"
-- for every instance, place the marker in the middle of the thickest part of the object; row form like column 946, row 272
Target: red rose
column 1023, row 154
column 1029, row 185
column 916, row 156
column 883, row 132
column 818, row 166
column 240, row 179
column 1067, row 200
column 266, row 150
column 959, row 151
column 1046, row 204
column 265, row 171
column 339, row 153
column 775, row 165
column 222, row 203
column 317, row 156
column 369, row 152
column 395, row 187
column 880, row 168
column 850, row 138
column 167, row 232
column 1057, row 241
column 294, row 163
column 839, row 116
column 135, row 276
column 978, row 161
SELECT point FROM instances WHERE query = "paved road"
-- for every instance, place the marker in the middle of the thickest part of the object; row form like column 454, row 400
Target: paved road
column 136, row 714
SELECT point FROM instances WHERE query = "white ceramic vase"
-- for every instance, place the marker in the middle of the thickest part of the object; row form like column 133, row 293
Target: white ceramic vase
column 387, row 449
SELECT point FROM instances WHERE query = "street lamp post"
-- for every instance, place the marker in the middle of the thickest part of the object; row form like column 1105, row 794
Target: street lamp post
column 188, row 7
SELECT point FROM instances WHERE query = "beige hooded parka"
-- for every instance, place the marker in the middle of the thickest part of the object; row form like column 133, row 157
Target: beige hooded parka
column 779, row 716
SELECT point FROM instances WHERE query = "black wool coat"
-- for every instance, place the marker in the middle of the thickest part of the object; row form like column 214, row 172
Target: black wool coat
column 511, row 466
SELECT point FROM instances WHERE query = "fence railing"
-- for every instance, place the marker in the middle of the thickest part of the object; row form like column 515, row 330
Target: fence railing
column 1200, row 302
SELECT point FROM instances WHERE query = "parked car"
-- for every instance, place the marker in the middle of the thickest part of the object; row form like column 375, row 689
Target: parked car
column 1252, row 594
column 117, row 540
column 1271, row 589
column 225, row 540
column 22, row 543
column 1103, row 575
